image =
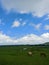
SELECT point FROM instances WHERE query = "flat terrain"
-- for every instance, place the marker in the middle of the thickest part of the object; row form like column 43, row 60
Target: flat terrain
column 18, row 55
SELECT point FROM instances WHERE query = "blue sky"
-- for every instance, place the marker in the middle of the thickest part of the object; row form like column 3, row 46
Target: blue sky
column 24, row 19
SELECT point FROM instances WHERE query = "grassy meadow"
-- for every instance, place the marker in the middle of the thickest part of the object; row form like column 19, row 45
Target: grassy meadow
column 16, row 55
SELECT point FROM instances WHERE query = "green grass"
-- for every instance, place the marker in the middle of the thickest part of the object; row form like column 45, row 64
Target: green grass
column 16, row 55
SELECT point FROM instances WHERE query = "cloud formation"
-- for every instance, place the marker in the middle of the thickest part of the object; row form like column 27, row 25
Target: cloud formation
column 36, row 26
column 28, row 39
column 16, row 24
column 47, row 18
column 46, row 27
column 5, row 40
column 24, row 23
column 37, row 7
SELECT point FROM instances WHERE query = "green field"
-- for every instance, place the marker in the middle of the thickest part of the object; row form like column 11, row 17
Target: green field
column 16, row 55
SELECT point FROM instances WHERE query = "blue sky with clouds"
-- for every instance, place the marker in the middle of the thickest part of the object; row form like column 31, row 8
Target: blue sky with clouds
column 24, row 20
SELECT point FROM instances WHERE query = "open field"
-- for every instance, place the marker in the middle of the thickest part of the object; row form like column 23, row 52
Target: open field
column 17, row 55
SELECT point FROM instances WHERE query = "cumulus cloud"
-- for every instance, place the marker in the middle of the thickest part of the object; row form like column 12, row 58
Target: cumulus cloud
column 46, row 27
column 5, row 40
column 45, row 37
column 38, row 7
column 16, row 24
column 36, row 26
column 28, row 39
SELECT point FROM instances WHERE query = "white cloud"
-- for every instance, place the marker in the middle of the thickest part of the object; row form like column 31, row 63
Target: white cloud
column 38, row 7
column 34, row 39
column 28, row 39
column 46, row 27
column 16, row 24
column 45, row 37
column 24, row 23
column 36, row 26
column 22, row 12
column 47, row 18
column 5, row 40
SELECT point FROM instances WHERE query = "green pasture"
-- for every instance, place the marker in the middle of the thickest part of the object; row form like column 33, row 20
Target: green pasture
column 16, row 55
